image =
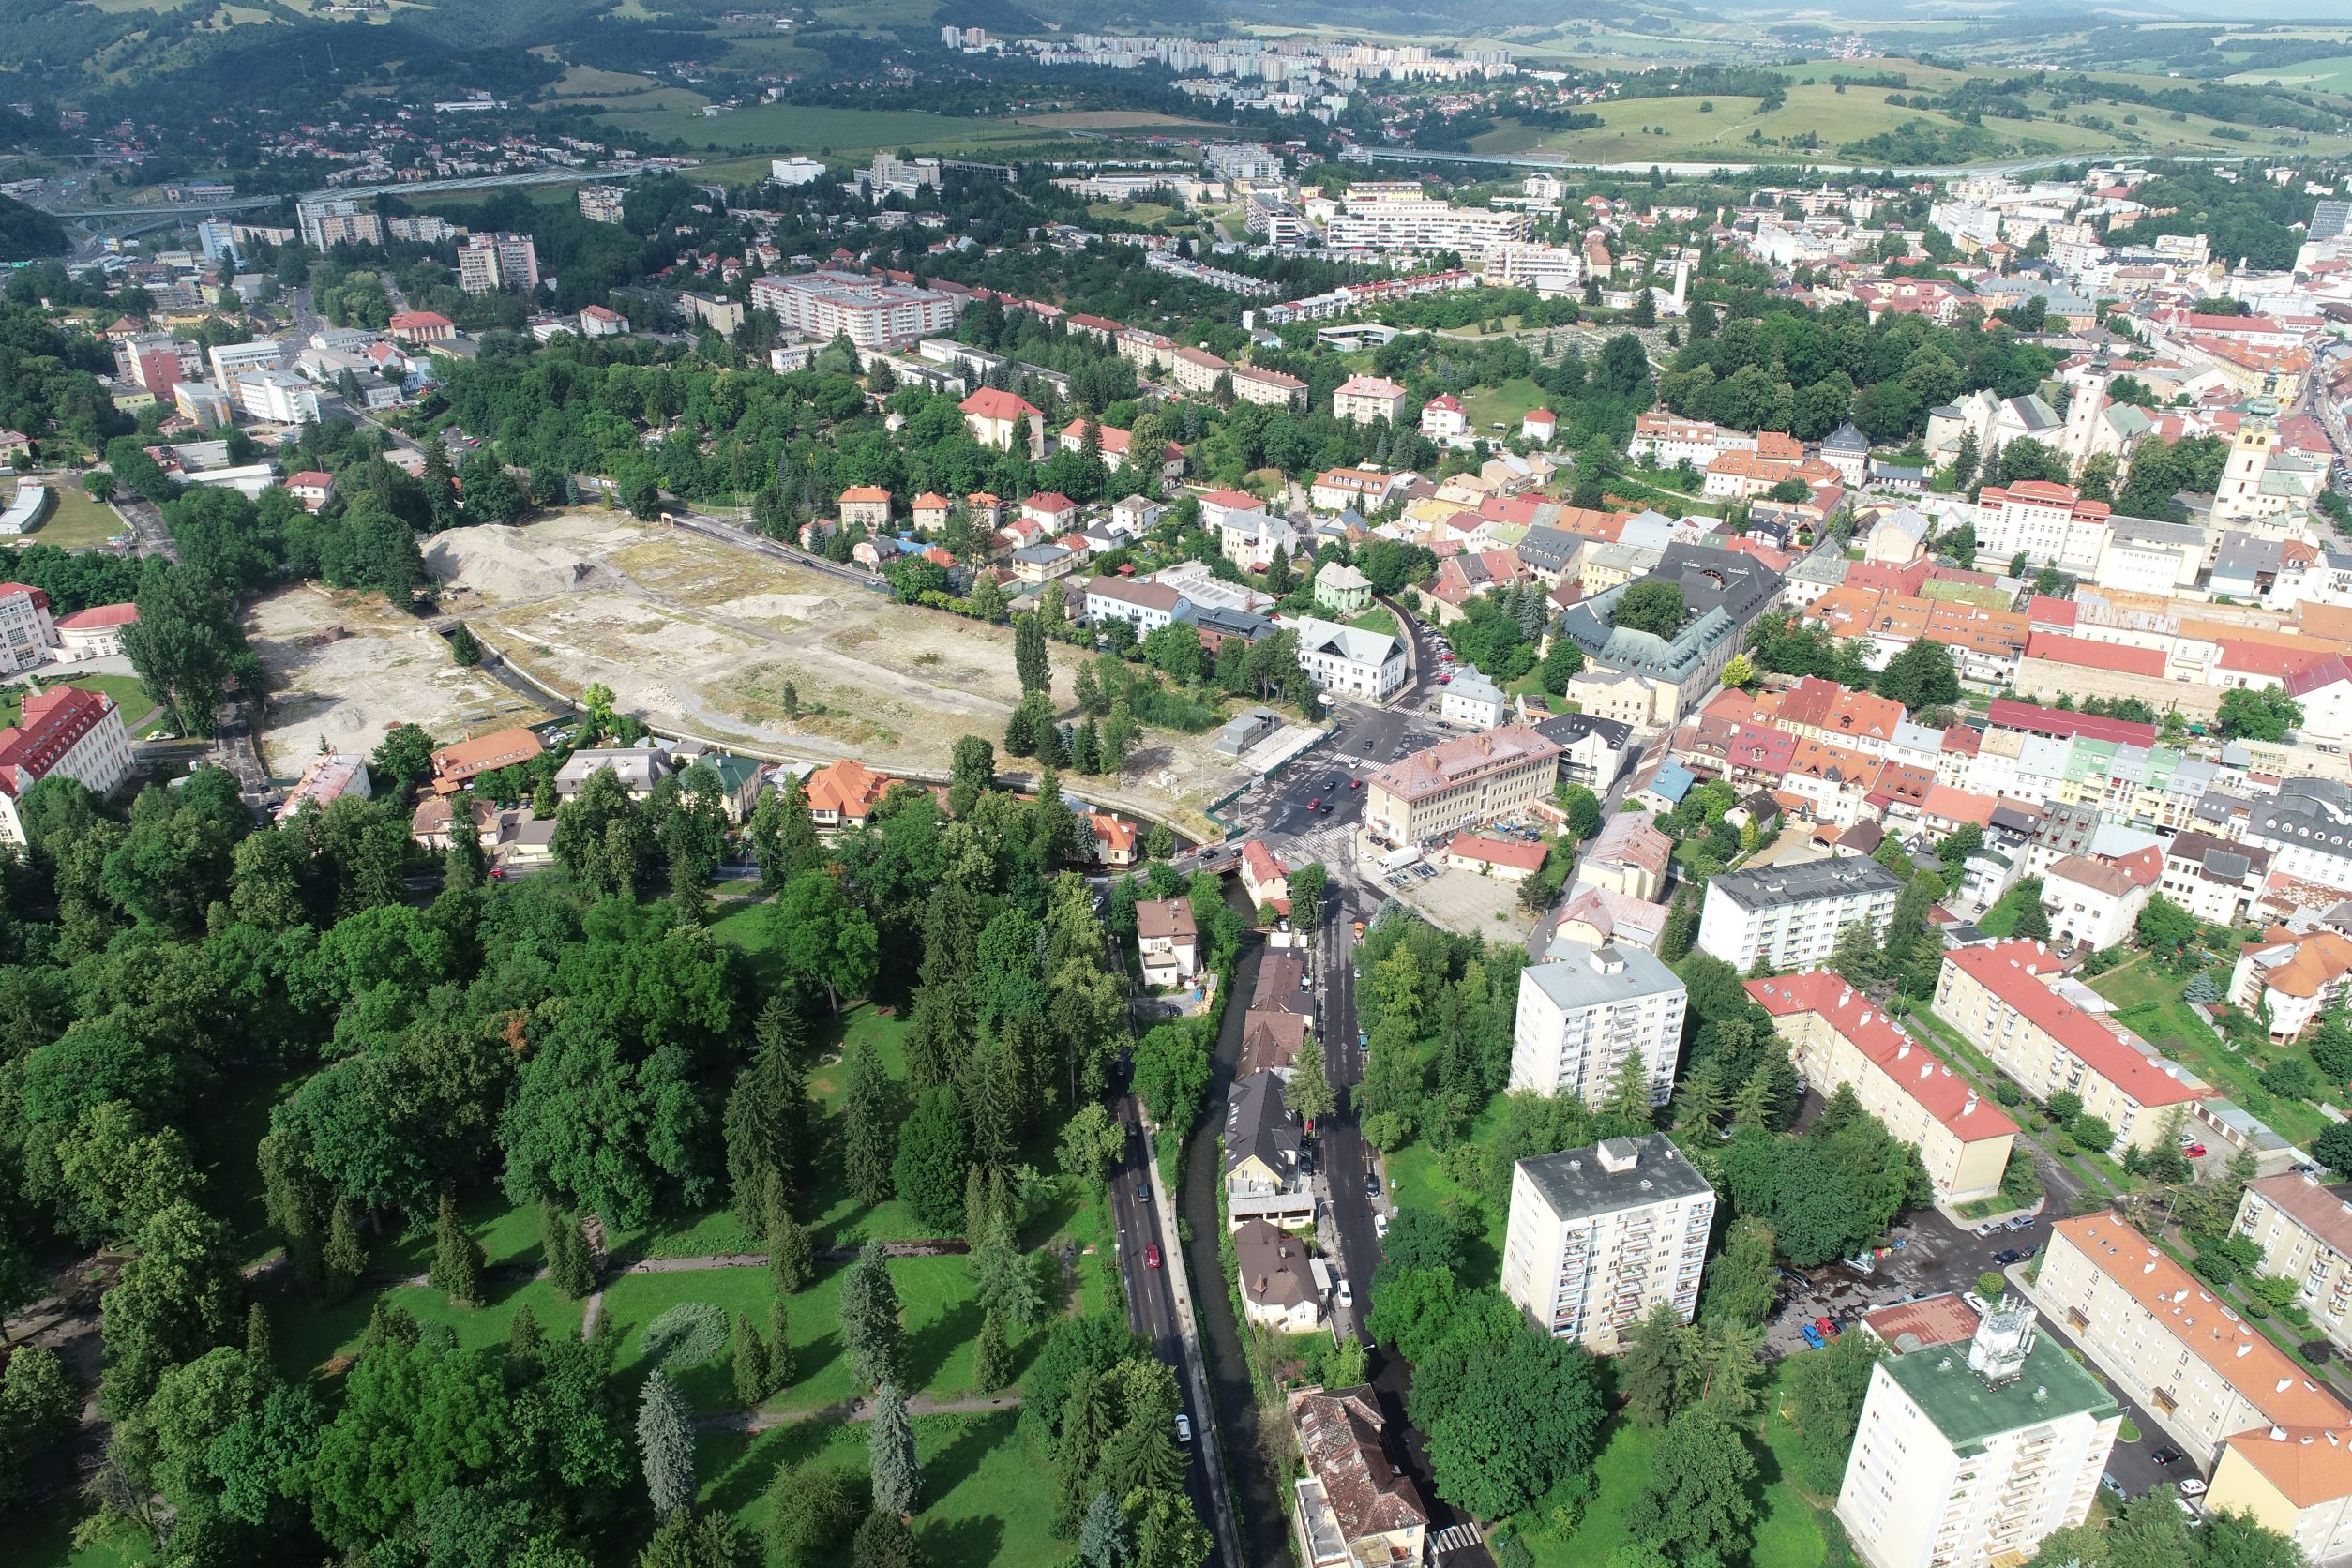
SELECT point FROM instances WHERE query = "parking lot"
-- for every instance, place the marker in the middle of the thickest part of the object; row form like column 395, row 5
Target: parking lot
column 1937, row 1256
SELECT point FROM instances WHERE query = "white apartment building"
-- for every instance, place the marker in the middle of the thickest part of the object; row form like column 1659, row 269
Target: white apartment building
column 1789, row 916
column 262, row 353
column 1600, row 1235
column 1145, row 605
column 875, row 314
column 1548, row 269
column 1669, row 439
column 2051, row 523
column 795, row 170
column 1361, row 400
column 1585, row 1013
column 2184, row 1355
column 337, row 221
column 1348, row 659
column 2307, row 827
column 488, row 263
column 1966, row 1461
column 1375, row 218
column 64, row 732
column 277, row 395
column 2304, row 1230
column 27, row 634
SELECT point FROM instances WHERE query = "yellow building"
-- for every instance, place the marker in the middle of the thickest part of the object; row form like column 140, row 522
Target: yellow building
column 2296, row 1479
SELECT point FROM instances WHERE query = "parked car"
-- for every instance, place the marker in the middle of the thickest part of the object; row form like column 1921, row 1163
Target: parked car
column 1826, row 1327
column 1380, row 1225
column 1990, row 1226
column 1371, row 1184
column 2192, row 1487
column 2111, row 1484
column 1151, row 1255
column 2007, row 1255
column 2022, row 1222
column 2167, row 1456
column 1813, row 1337
column 1346, row 1292
column 2194, row 1150
column 1183, row 1427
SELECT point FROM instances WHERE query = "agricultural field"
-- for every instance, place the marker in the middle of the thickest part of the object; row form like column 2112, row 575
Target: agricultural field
column 2331, row 74
column 1120, row 119
column 789, row 127
column 590, row 87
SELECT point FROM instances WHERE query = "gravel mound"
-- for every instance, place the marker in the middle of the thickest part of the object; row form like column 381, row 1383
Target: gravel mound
column 501, row 563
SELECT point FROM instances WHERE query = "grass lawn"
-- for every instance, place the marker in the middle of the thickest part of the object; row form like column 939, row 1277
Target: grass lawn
column 937, row 1296
column 2147, row 1002
column 1377, row 619
column 1788, row 1522
column 75, row 521
column 2001, row 919
column 1507, row 403
column 776, row 129
column 1421, row 1181
column 987, row 1498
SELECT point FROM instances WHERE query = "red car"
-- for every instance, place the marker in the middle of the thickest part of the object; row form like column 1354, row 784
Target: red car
column 1825, row 1328
column 2194, row 1150
column 1315, row 805
column 1355, row 783
column 1151, row 1255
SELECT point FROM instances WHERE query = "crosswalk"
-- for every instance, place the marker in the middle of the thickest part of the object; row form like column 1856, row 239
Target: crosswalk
column 1456, row 1538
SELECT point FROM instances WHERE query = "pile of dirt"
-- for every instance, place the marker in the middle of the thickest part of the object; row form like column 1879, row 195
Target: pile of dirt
column 504, row 564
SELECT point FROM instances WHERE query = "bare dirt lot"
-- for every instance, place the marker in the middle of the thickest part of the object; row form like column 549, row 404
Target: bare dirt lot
column 692, row 633
column 346, row 667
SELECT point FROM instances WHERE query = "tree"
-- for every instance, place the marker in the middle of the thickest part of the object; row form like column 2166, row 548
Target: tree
column 890, row 1454
column 934, row 1147
column 748, row 1362
column 1029, row 656
column 1920, row 677
column 767, row 1114
column 665, row 1444
column 1826, row 1390
column 1562, row 665
column 972, row 774
column 992, row 1361
column 1310, row 1091
column 1507, row 1412
column 1091, row 1143
column 1008, row 1285
column 1584, row 812
column 824, row 940
column 404, row 758
column 1306, row 895
column 1104, row 1541
column 869, row 1129
column 2333, row 1147
column 175, row 1300
column 1696, row 1505
column 346, row 1255
column 185, row 643
column 2165, row 927
column 791, row 1252
column 684, row 1539
column 810, row 1508
column 883, row 1541
column 870, row 1333
column 1660, row 1372
column 569, row 1264
column 2267, row 715
column 1654, row 607
column 457, row 1269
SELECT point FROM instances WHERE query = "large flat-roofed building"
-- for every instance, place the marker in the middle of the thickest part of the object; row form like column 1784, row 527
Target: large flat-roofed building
column 1967, row 1459
column 1460, row 783
column 27, row 632
column 1600, row 1235
column 2182, row 1353
column 1587, row 1012
column 2304, row 1229
column 2004, row 998
column 1789, row 916
column 874, row 313
column 1839, row 1037
column 336, row 220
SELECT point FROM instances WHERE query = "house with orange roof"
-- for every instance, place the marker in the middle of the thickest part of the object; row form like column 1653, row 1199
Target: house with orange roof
column 2183, row 1353
column 2296, row 1479
column 1265, row 878
column 1837, row 1038
column 865, row 506
column 928, row 512
column 1509, row 859
column 1114, row 838
column 2006, row 996
column 455, row 766
column 1823, row 710
column 998, row 418
column 844, row 793
column 2288, row 979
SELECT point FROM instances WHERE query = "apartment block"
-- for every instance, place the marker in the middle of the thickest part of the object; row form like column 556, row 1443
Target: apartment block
column 1838, row 1038
column 1968, row 1460
column 1589, row 1011
column 488, row 263
column 1600, row 1235
column 2183, row 1354
column 337, row 221
column 2048, row 522
column 1789, row 916
column 1460, row 783
column 1391, row 221
column 2296, row 1479
column 875, row 314
column 2012, row 999
column 2304, row 1229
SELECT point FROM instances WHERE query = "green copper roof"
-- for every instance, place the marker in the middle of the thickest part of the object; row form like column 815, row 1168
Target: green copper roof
column 1969, row 1413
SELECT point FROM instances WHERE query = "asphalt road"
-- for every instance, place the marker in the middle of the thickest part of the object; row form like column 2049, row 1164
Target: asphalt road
column 1151, row 1300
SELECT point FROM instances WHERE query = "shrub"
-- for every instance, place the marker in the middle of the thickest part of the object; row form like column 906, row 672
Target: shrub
column 1992, row 1284
column 688, row 1334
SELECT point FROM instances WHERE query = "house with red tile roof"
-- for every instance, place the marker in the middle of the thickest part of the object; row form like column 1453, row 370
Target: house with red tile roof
column 844, row 793
column 64, row 732
column 1000, row 419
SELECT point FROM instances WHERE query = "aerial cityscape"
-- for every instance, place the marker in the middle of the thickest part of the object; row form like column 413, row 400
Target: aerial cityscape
column 947, row 783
